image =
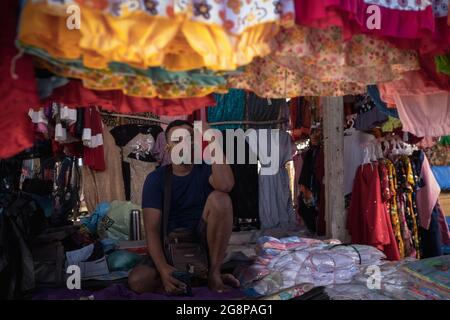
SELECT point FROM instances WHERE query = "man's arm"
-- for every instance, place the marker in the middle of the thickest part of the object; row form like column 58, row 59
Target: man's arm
column 222, row 178
column 152, row 223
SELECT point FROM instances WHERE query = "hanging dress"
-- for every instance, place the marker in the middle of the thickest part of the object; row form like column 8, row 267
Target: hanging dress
column 368, row 221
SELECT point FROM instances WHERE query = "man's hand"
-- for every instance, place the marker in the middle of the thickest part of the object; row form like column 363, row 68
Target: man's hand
column 170, row 284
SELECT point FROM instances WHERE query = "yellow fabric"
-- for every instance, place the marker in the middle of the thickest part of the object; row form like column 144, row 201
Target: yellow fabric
column 137, row 39
column 141, row 40
column 393, row 208
column 41, row 29
column 391, row 124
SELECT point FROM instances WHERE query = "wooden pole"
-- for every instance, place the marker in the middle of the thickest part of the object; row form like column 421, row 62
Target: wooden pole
column 333, row 134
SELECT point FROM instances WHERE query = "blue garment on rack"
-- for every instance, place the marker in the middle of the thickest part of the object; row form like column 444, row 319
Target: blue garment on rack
column 431, row 239
column 369, row 116
column 373, row 92
column 265, row 109
column 230, row 107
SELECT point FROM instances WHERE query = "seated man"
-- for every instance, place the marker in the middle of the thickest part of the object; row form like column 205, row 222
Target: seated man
column 200, row 202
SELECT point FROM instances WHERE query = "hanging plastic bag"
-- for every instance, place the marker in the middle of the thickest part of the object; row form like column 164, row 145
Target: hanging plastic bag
column 116, row 224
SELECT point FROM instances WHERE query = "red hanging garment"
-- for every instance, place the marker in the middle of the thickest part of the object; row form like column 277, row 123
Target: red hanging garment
column 93, row 154
column 74, row 94
column 17, row 94
column 368, row 221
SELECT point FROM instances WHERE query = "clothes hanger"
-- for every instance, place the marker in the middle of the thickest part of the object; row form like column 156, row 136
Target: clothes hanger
column 118, row 115
column 373, row 156
column 410, row 149
column 349, row 131
column 404, row 148
column 367, row 156
column 379, row 150
column 386, row 148
column 399, row 150
column 394, row 151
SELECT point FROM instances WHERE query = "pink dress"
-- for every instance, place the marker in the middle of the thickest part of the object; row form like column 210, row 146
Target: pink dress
column 428, row 195
column 424, row 108
column 410, row 24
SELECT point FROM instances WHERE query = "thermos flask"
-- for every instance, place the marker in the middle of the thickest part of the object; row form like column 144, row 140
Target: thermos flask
column 135, row 225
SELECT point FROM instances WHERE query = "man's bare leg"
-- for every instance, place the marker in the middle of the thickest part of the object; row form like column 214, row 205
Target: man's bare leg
column 218, row 215
column 144, row 279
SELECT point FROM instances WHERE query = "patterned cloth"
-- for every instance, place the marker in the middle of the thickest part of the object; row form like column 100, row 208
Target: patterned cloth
column 234, row 15
column 148, row 83
column 314, row 62
column 179, row 35
column 438, row 155
column 388, row 192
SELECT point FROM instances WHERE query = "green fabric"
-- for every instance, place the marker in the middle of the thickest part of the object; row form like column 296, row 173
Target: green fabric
column 391, row 124
column 123, row 260
column 116, row 224
column 445, row 141
column 159, row 75
column 229, row 107
column 443, row 64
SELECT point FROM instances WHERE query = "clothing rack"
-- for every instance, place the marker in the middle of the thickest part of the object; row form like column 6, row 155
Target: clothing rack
column 243, row 122
column 133, row 117
column 248, row 122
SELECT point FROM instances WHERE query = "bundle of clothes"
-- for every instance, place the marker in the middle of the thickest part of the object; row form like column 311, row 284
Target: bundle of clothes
column 286, row 262
column 409, row 279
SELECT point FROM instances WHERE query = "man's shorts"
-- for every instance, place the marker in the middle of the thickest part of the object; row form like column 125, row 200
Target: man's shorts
column 199, row 234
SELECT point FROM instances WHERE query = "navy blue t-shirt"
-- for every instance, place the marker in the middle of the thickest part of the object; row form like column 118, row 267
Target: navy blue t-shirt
column 189, row 194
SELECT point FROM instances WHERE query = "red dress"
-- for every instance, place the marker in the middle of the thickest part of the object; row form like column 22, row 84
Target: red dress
column 17, row 94
column 93, row 152
column 368, row 221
